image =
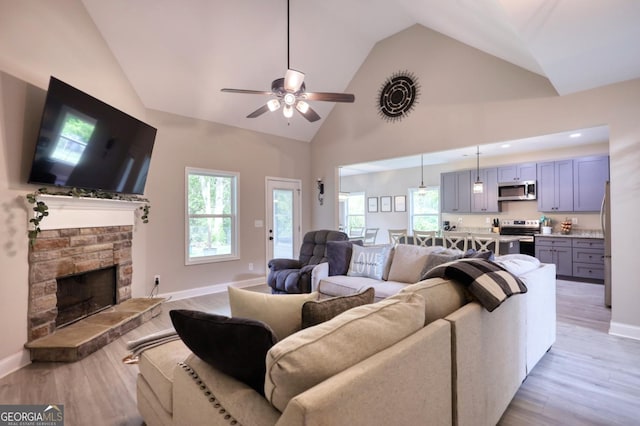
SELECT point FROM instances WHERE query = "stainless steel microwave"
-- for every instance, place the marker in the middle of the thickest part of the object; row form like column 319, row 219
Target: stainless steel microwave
column 517, row 191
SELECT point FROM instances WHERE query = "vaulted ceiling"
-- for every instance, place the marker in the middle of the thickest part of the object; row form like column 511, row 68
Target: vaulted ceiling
column 178, row 54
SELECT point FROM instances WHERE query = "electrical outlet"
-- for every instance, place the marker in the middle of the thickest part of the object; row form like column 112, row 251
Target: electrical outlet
column 459, row 220
column 156, row 279
column 574, row 220
column 251, row 266
column 487, row 220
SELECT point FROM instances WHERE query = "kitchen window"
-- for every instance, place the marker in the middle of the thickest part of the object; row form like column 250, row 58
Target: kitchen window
column 424, row 209
column 212, row 216
column 355, row 208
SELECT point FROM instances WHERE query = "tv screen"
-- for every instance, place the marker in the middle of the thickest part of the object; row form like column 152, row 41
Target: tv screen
column 85, row 143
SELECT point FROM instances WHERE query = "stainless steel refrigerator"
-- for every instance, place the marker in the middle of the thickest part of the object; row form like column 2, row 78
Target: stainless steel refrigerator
column 605, row 221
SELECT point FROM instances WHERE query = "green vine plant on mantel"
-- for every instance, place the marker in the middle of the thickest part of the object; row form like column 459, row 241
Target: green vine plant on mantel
column 41, row 210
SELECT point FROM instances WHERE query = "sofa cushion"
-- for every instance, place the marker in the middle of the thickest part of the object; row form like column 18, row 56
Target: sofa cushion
column 342, row 285
column 235, row 346
column 316, row 312
column 310, row 356
column 369, row 261
column 488, row 282
column 157, row 366
column 441, row 297
column 436, row 259
column 282, row 312
column 339, row 256
column 408, row 262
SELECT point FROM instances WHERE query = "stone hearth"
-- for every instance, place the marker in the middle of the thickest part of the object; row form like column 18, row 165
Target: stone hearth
column 84, row 337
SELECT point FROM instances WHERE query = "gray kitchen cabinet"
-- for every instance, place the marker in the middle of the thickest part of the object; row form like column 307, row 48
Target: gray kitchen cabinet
column 558, row 251
column 487, row 201
column 589, row 177
column 555, row 186
column 588, row 258
column 517, row 172
column 455, row 192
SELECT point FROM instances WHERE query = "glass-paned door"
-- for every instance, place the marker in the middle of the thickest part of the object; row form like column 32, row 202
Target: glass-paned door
column 283, row 218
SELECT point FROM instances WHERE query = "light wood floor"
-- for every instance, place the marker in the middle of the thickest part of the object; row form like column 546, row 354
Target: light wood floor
column 587, row 378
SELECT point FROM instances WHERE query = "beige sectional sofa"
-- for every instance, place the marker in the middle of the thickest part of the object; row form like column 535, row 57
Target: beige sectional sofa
column 452, row 363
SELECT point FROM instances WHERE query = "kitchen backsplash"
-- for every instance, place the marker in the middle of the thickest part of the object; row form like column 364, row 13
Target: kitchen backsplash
column 524, row 210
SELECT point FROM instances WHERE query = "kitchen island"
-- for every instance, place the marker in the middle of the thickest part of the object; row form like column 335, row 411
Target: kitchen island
column 509, row 244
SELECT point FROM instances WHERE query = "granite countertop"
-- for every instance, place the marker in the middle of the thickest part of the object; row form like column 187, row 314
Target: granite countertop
column 575, row 234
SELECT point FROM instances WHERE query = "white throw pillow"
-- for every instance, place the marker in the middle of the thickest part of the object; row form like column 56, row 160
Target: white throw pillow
column 369, row 261
column 518, row 264
column 281, row 312
column 314, row 354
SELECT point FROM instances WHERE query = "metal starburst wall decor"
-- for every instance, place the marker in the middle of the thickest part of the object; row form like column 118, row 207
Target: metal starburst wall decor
column 398, row 96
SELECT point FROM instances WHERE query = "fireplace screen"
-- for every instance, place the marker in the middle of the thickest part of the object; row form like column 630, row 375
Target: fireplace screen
column 85, row 294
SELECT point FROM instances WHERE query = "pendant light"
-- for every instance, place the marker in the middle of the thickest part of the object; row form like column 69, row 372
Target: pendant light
column 422, row 189
column 478, row 186
column 342, row 196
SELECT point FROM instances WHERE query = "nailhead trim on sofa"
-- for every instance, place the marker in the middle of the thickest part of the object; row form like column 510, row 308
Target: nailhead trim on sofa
column 212, row 399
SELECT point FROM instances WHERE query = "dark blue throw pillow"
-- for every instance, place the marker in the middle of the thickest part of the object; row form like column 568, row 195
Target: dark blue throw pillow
column 236, row 346
column 339, row 256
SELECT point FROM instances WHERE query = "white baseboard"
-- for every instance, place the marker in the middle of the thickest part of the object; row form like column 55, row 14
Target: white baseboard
column 14, row 362
column 215, row 288
column 624, row 330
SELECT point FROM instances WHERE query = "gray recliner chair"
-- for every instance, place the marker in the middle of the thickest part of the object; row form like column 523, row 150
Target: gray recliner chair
column 294, row 276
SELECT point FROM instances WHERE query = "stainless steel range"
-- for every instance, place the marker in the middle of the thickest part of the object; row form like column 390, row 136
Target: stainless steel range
column 525, row 228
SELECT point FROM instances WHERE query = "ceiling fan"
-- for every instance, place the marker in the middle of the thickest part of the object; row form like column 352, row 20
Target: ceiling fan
column 290, row 93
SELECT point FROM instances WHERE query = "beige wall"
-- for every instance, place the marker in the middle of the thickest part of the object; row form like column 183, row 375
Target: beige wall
column 490, row 101
column 184, row 142
column 69, row 47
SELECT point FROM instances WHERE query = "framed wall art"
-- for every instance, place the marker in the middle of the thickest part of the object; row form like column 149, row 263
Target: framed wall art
column 400, row 203
column 385, row 203
column 372, row 204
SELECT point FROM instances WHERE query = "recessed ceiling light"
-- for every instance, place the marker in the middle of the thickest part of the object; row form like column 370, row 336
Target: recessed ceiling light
column 505, row 145
column 575, row 135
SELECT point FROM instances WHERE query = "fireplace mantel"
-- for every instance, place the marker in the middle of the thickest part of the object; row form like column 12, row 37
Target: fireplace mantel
column 67, row 212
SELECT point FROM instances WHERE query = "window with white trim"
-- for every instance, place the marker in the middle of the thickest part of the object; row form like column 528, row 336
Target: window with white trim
column 424, row 209
column 211, row 216
column 354, row 207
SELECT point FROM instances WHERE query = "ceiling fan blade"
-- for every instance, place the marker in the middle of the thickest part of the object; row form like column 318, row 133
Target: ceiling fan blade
column 329, row 97
column 308, row 113
column 293, row 80
column 264, row 108
column 245, row 91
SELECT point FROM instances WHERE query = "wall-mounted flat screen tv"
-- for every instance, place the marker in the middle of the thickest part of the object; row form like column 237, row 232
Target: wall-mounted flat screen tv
column 85, row 143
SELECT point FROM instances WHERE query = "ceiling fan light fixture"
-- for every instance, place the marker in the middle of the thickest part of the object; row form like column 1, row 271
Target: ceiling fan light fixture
column 302, row 106
column 287, row 111
column 293, row 80
column 273, row 105
column 289, row 99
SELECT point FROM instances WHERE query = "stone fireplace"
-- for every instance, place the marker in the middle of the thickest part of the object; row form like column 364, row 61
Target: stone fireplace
column 80, row 279
column 69, row 252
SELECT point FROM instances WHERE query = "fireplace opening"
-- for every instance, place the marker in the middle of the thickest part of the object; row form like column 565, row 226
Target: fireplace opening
column 85, row 294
